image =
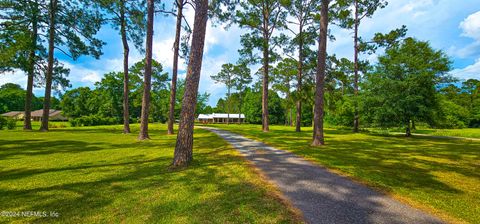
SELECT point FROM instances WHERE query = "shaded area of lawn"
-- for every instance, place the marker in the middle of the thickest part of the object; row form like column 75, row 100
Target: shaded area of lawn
column 98, row 174
column 442, row 174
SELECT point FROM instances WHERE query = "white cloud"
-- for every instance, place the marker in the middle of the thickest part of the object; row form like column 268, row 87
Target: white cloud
column 471, row 26
column 469, row 72
column 81, row 75
column 92, row 77
column 16, row 76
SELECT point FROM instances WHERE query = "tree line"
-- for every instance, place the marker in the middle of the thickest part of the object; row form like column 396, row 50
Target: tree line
column 408, row 84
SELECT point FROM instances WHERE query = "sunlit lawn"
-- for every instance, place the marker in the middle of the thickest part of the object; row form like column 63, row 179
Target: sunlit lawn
column 464, row 133
column 98, row 175
column 440, row 175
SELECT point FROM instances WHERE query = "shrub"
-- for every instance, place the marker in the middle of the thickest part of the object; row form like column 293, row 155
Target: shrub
column 11, row 124
column 93, row 120
column 56, row 125
column 3, row 122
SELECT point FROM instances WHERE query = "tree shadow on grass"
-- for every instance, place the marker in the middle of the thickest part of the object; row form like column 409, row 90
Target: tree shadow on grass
column 142, row 188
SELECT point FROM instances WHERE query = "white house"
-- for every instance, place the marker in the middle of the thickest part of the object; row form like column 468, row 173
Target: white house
column 220, row 118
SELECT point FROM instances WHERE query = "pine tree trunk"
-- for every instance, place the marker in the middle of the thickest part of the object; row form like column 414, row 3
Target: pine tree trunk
column 184, row 145
column 176, row 47
column 228, row 102
column 240, row 106
column 355, row 82
column 148, row 73
column 126, row 50
column 49, row 74
column 408, row 131
column 265, row 126
column 318, row 138
column 298, row 122
column 27, row 121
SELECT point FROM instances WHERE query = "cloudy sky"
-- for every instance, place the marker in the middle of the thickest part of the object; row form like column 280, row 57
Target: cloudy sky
column 452, row 26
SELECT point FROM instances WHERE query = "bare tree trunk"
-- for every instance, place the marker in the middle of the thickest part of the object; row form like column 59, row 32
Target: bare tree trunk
column 126, row 50
column 184, row 145
column 408, row 132
column 298, row 122
column 355, row 82
column 265, row 126
column 27, row 121
column 148, row 74
column 318, row 138
column 228, row 101
column 48, row 83
column 240, row 106
column 176, row 47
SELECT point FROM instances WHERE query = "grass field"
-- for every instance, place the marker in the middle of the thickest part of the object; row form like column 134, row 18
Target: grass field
column 463, row 133
column 466, row 132
column 98, row 175
column 438, row 175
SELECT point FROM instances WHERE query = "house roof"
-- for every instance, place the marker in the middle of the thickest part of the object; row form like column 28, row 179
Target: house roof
column 39, row 113
column 12, row 113
column 214, row 115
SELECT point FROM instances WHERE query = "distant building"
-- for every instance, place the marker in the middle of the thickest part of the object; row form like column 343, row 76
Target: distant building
column 220, row 118
column 17, row 115
column 54, row 115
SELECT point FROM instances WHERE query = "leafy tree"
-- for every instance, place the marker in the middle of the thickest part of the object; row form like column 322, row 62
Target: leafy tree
column 262, row 18
column 226, row 76
column 71, row 24
column 128, row 17
column 252, row 107
column 19, row 43
column 79, row 102
column 148, row 73
column 12, row 98
column 183, row 148
column 318, row 138
column 403, row 87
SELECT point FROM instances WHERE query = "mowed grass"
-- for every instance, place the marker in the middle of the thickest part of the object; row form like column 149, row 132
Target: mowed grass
column 98, row 175
column 466, row 132
column 462, row 133
column 441, row 176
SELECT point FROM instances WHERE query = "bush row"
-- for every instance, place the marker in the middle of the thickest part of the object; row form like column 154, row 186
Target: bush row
column 93, row 120
column 7, row 122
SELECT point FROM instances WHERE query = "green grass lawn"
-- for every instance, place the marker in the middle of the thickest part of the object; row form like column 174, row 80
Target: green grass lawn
column 466, row 132
column 463, row 133
column 98, row 175
column 439, row 175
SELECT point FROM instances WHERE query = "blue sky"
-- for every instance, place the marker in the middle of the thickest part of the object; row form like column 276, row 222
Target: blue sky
column 452, row 26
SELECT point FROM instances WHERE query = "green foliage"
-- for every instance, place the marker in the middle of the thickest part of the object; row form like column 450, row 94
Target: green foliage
column 452, row 115
column 93, row 120
column 462, row 104
column 252, row 108
column 403, row 86
column 12, row 98
column 3, row 122
column 7, row 122
column 233, row 76
column 343, row 112
column 106, row 100
column 11, row 123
